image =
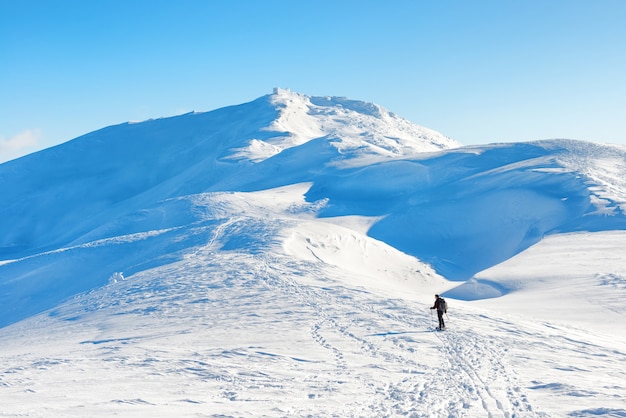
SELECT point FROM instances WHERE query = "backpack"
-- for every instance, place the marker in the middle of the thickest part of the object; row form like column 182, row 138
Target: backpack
column 443, row 305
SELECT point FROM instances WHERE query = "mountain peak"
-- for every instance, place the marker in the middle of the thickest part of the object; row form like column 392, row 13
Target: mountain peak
column 362, row 132
column 285, row 97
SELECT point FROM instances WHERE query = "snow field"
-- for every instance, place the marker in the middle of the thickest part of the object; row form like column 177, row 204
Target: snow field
column 284, row 327
column 205, row 336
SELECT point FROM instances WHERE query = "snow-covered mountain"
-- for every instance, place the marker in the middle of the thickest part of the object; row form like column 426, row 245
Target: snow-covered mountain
column 277, row 258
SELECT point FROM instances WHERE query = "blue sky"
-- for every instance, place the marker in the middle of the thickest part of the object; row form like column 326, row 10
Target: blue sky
column 478, row 71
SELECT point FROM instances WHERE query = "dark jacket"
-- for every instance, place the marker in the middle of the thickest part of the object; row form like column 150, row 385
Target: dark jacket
column 438, row 305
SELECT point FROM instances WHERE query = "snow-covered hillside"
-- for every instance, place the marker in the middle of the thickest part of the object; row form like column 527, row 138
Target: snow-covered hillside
column 278, row 258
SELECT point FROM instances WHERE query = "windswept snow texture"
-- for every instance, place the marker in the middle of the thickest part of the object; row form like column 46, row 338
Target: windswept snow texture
column 278, row 258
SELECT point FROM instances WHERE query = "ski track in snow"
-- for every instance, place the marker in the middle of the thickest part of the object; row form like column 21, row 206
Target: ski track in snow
column 349, row 352
column 227, row 333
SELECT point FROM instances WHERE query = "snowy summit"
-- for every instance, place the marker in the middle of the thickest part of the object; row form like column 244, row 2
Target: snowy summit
column 279, row 258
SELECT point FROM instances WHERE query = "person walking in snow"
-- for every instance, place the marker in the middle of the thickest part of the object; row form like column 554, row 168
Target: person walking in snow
column 440, row 306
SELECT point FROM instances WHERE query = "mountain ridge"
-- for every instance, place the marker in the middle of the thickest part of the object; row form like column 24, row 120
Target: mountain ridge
column 459, row 209
column 192, row 152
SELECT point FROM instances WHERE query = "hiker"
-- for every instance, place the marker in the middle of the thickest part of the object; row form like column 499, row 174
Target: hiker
column 441, row 309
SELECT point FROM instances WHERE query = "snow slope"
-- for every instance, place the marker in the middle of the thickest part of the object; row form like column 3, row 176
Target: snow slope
column 278, row 258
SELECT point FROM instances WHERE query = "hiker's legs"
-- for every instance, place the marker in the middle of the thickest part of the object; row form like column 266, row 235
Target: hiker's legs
column 440, row 316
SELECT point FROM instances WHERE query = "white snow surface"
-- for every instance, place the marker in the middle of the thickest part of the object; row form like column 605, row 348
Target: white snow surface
column 279, row 258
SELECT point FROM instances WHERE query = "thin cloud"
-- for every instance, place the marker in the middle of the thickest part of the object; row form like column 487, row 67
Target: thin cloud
column 21, row 144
